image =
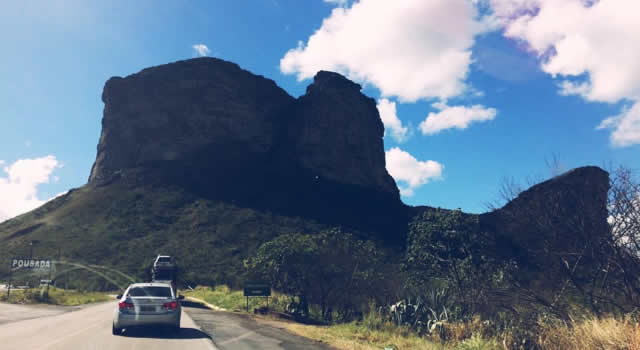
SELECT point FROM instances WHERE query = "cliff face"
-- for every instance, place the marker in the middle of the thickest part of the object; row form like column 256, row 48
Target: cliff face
column 337, row 133
column 575, row 201
column 555, row 229
column 167, row 113
column 221, row 132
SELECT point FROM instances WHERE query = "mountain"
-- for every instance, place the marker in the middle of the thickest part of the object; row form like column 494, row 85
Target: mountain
column 205, row 161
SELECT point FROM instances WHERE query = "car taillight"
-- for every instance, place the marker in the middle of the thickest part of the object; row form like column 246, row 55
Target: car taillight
column 123, row 305
column 171, row 305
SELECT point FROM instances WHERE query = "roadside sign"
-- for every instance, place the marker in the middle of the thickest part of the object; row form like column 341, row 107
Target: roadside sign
column 34, row 264
column 257, row 289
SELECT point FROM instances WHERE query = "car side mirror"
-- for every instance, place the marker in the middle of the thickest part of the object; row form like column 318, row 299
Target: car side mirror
column 180, row 297
column 119, row 296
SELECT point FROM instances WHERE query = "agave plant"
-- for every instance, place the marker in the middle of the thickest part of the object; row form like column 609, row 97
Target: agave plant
column 419, row 313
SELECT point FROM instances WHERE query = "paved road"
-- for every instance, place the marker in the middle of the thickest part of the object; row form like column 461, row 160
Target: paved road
column 14, row 313
column 90, row 328
column 233, row 331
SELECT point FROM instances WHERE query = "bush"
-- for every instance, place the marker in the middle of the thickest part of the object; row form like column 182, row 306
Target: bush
column 331, row 269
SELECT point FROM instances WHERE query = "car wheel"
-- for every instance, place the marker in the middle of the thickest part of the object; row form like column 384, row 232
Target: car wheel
column 115, row 331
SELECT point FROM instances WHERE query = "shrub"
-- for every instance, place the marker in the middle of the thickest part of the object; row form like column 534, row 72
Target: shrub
column 332, row 269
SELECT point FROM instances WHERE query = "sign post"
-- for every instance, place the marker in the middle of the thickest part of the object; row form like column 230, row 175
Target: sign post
column 30, row 264
column 9, row 285
column 257, row 289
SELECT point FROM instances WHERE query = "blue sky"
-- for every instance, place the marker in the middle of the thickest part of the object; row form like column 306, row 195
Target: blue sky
column 496, row 67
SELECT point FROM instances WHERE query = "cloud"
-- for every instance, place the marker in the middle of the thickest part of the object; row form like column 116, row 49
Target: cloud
column 19, row 188
column 411, row 49
column 201, row 50
column 387, row 110
column 570, row 88
column 341, row 3
column 409, row 171
column 625, row 126
column 459, row 117
column 595, row 41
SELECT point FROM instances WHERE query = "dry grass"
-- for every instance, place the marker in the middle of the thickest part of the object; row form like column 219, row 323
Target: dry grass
column 352, row 336
column 592, row 333
column 374, row 333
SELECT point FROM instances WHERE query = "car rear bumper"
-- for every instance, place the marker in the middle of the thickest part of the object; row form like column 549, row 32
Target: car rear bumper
column 123, row 320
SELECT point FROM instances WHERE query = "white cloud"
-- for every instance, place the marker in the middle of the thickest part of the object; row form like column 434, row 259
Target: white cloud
column 411, row 49
column 201, row 49
column 626, row 126
column 459, row 117
column 340, row 3
column 387, row 110
column 409, row 171
column 570, row 88
column 596, row 41
column 19, row 188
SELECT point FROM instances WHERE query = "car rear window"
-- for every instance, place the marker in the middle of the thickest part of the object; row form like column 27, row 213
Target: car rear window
column 163, row 275
column 164, row 259
column 150, row 292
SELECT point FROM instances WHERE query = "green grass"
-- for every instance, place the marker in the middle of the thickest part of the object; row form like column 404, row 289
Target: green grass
column 57, row 296
column 234, row 300
column 126, row 227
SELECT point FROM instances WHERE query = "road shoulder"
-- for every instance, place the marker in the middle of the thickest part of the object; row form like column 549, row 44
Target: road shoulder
column 233, row 330
column 10, row 313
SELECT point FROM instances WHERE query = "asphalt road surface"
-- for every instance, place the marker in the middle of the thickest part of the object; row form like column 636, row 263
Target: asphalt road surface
column 14, row 313
column 233, row 331
column 89, row 328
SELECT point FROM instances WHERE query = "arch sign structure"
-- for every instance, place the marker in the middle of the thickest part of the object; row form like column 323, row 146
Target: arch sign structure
column 29, row 264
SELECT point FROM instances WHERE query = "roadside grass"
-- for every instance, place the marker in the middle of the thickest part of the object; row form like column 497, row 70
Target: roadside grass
column 585, row 332
column 591, row 332
column 57, row 296
column 354, row 335
column 234, row 300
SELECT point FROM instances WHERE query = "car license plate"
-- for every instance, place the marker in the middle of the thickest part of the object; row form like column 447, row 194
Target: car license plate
column 147, row 308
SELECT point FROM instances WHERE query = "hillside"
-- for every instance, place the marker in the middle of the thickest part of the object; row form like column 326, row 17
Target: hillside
column 125, row 227
column 205, row 161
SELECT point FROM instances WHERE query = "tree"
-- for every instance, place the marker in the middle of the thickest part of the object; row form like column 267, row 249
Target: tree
column 332, row 269
column 448, row 247
column 623, row 268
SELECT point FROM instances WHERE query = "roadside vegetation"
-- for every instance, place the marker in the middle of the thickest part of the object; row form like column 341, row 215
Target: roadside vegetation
column 56, row 296
column 583, row 331
column 550, row 280
column 234, row 300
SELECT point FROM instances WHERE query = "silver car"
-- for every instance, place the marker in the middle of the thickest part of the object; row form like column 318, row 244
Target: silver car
column 147, row 304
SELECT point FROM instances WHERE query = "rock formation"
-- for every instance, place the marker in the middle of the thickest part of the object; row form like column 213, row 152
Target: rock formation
column 338, row 134
column 220, row 131
column 167, row 113
column 556, row 229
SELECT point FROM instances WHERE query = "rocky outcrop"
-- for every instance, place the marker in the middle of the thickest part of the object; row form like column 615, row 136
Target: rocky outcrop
column 173, row 111
column 168, row 112
column 571, row 202
column 337, row 133
column 221, row 132
column 555, row 230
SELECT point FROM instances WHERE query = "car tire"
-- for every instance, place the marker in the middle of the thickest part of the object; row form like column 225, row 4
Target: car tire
column 115, row 331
